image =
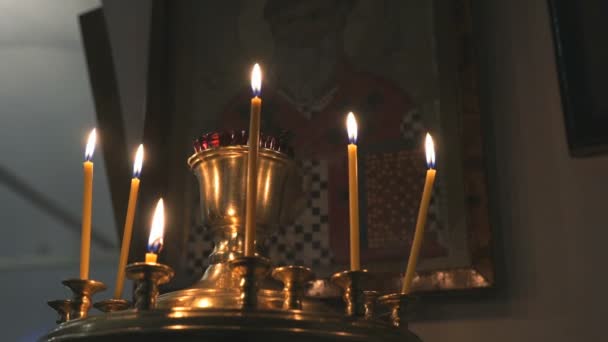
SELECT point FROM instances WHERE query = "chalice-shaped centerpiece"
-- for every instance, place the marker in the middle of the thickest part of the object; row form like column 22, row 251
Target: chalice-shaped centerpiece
column 220, row 165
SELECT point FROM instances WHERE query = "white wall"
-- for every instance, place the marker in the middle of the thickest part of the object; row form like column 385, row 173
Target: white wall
column 552, row 208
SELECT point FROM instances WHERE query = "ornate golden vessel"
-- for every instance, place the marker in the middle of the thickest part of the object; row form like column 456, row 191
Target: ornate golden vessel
column 239, row 298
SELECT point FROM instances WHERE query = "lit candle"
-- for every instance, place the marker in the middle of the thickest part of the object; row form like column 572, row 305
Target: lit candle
column 353, row 192
column 155, row 241
column 87, row 204
column 422, row 214
column 252, row 161
column 128, row 228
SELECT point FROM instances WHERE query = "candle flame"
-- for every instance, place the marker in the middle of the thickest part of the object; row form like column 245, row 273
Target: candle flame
column 256, row 80
column 139, row 160
column 429, row 147
column 155, row 241
column 88, row 152
column 351, row 128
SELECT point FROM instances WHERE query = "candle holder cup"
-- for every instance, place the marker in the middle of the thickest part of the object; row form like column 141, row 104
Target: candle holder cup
column 371, row 298
column 112, row 305
column 148, row 277
column 400, row 305
column 294, row 279
column 64, row 309
column 352, row 284
column 250, row 270
column 83, row 290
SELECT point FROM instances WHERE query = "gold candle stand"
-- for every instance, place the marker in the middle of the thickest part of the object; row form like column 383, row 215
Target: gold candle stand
column 250, row 270
column 294, row 279
column 371, row 298
column 83, row 290
column 63, row 308
column 400, row 305
column 352, row 285
column 148, row 277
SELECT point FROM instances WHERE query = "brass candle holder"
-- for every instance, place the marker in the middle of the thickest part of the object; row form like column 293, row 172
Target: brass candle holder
column 371, row 298
column 112, row 305
column 400, row 305
column 148, row 277
column 83, row 290
column 63, row 308
column 250, row 270
column 352, row 285
column 294, row 279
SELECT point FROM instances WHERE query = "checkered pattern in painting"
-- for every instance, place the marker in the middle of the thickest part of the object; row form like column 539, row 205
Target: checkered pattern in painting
column 200, row 240
column 412, row 127
column 200, row 245
column 306, row 241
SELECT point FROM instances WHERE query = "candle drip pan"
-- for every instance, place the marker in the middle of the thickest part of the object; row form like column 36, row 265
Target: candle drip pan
column 220, row 307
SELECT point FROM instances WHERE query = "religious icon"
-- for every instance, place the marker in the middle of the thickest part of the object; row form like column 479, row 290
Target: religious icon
column 402, row 66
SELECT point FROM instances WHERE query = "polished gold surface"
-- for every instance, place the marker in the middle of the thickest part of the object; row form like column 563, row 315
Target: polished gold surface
column 221, row 173
column 294, row 279
column 63, row 308
column 400, row 305
column 210, row 325
column 113, row 304
column 147, row 277
column 251, row 271
column 83, row 290
column 352, row 284
column 371, row 299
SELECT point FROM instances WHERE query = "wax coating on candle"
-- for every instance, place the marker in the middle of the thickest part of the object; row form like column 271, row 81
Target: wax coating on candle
column 419, row 232
column 87, row 204
column 126, row 238
column 151, row 258
column 353, row 200
column 252, row 176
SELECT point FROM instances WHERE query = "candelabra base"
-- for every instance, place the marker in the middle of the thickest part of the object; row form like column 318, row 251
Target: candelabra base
column 215, row 325
column 112, row 305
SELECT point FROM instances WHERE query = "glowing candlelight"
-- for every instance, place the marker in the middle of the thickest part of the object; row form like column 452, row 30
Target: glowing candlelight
column 422, row 214
column 256, row 80
column 87, row 206
column 155, row 241
column 128, row 227
column 252, row 161
column 353, row 192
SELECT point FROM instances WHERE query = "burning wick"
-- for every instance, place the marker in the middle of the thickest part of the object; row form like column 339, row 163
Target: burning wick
column 155, row 241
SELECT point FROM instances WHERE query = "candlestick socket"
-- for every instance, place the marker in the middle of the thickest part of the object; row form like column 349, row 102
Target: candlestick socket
column 83, row 290
column 400, row 305
column 250, row 270
column 294, row 279
column 148, row 277
column 352, row 284
column 64, row 309
column 371, row 298
column 111, row 305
